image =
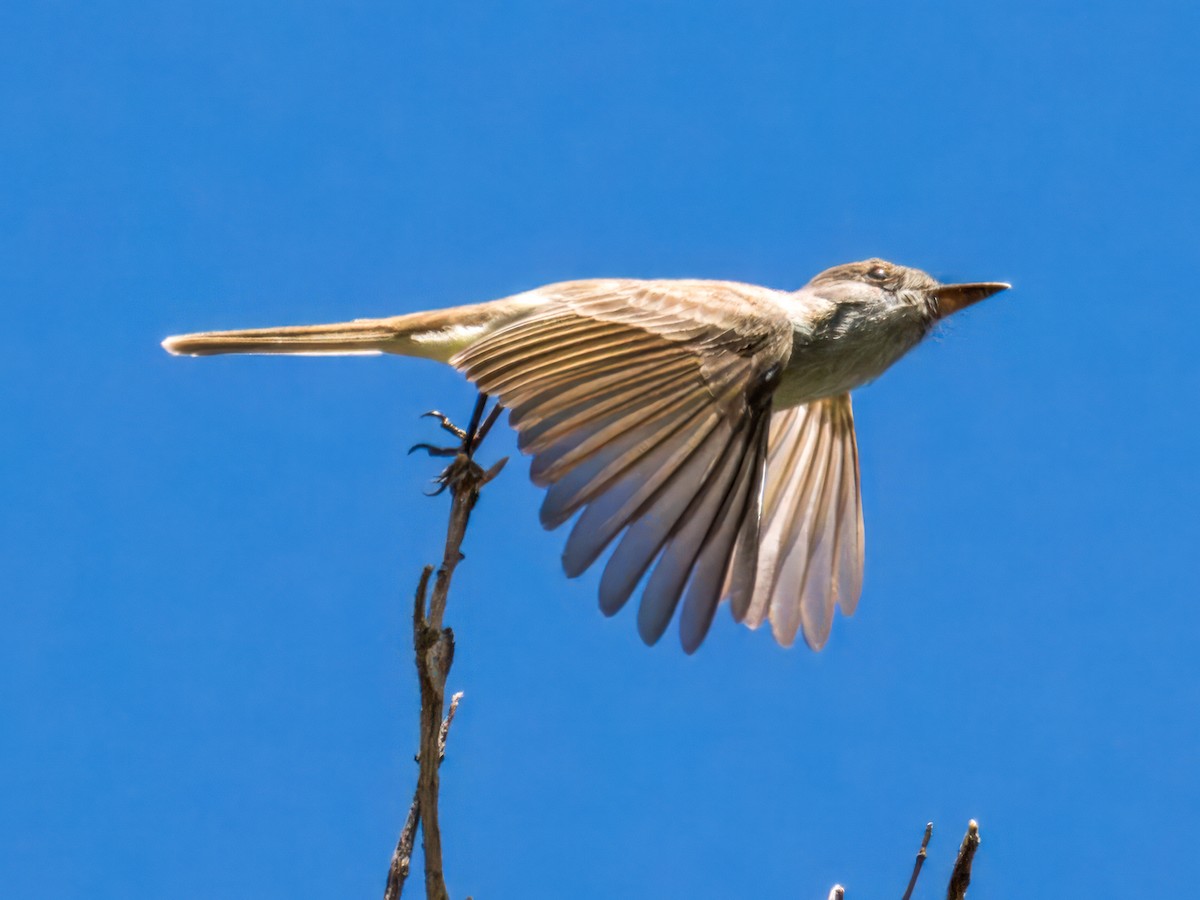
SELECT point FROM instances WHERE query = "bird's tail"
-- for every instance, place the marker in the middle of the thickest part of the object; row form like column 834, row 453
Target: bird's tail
column 438, row 334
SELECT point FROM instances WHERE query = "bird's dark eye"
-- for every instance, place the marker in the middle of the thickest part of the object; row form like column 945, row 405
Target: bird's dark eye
column 877, row 273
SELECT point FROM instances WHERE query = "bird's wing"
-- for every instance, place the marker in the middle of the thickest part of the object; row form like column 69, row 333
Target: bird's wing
column 646, row 405
column 810, row 544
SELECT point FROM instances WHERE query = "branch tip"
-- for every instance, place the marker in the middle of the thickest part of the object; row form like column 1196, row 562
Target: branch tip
column 960, row 877
column 920, row 861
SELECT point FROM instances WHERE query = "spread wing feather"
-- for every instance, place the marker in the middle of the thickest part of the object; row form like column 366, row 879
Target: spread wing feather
column 739, row 512
column 680, row 558
column 810, row 550
column 645, row 405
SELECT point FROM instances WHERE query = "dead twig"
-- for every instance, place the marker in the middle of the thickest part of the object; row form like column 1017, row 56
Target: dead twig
column 912, row 882
column 433, row 646
column 960, row 877
column 402, row 855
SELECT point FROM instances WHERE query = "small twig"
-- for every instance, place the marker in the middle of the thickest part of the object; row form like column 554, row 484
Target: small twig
column 483, row 430
column 402, row 855
column 961, row 876
column 444, row 732
column 912, row 882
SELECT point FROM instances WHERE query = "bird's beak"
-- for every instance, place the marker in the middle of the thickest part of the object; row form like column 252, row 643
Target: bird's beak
column 950, row 298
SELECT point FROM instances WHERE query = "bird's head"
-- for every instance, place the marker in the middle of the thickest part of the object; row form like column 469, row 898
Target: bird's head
column 882, row 289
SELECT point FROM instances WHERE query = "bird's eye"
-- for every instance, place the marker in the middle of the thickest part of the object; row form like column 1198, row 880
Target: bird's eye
column 877, row 273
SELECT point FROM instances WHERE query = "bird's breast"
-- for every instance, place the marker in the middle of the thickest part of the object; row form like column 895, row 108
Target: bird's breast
column 837, row 348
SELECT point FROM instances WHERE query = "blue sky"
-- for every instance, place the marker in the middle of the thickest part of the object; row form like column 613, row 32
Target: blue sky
column 205, row 565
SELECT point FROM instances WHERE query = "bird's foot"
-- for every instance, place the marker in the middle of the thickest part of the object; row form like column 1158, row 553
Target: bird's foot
column 463, row 472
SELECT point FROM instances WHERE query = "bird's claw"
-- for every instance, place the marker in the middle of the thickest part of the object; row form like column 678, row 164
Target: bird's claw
column 434, row 451
column 445, row 423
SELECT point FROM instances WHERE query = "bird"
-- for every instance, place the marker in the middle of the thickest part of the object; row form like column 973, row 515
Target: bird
column 702, row 429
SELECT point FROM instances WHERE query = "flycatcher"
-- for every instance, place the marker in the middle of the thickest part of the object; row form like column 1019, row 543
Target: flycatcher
column 704, row 427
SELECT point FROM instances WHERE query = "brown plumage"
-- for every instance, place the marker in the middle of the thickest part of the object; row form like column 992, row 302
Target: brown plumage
column 702, row 430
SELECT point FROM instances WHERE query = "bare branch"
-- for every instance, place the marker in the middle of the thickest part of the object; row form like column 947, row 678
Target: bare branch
column 961, row 876
column 433, row 646
column 402, row 855
column 444, row 732
column 912, row 882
